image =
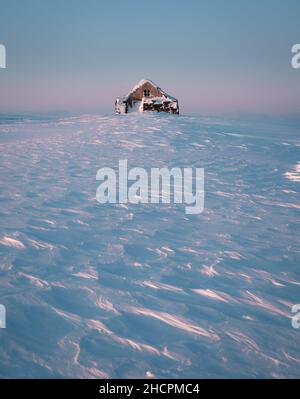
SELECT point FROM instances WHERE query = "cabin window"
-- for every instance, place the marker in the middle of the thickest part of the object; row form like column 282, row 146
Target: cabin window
column 146, row 93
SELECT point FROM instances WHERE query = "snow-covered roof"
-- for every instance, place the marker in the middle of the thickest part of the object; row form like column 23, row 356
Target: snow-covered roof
column 142, row 82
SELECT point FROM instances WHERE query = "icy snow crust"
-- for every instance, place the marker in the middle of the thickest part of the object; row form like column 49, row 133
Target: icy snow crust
column 136, row 290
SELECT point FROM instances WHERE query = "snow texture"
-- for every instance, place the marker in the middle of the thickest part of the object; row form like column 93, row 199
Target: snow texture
column 100, row 291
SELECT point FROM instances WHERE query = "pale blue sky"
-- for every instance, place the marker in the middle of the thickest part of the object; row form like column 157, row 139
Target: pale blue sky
column 216, row 56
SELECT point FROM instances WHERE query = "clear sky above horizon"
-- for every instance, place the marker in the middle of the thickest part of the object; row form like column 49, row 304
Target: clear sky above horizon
column 217, row 57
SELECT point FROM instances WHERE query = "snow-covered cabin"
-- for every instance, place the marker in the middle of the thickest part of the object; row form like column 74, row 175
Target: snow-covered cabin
column 146, row 96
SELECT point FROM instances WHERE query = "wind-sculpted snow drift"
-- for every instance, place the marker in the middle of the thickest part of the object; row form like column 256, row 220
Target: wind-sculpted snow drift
column 134, row 290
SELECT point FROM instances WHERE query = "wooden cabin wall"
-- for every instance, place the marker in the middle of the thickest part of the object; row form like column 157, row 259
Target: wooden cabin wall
column 138, row 94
